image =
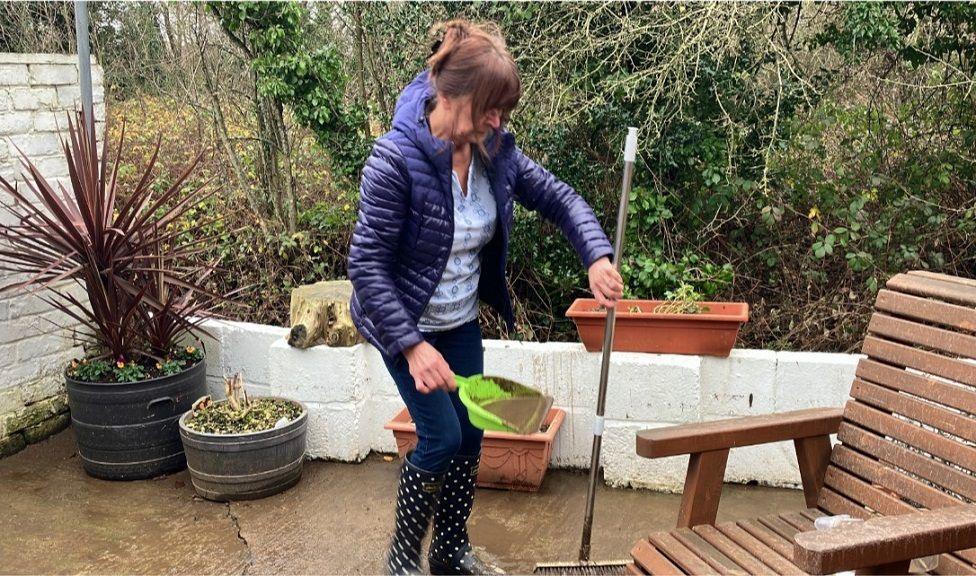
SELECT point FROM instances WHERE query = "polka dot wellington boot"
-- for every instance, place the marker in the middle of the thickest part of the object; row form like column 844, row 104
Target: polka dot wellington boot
column 416, row 496
column 450, row 551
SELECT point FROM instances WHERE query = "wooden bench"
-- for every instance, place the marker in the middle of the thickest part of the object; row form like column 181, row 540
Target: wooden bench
column 905, row 460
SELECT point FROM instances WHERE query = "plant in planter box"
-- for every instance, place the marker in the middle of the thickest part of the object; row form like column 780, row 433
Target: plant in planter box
column 681, row 324
column 683, row 300
column 111, row 261
column 244, row 448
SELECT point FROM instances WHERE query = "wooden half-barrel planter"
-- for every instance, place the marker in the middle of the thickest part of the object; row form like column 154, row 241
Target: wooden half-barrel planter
column 639, row 329
column 247, row 465
column 128, row 430
column 508, row 461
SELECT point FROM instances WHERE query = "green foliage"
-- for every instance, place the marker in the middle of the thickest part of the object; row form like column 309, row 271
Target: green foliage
column 89, row 370
column 864, row 27
column 310, row 80
column 128, row 372
column 179, row 359
column 793, row 156
column 104, row 371
column 682, row 300
column 918, row 32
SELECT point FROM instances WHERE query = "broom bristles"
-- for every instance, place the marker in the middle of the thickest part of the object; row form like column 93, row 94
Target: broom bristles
column 583, row 568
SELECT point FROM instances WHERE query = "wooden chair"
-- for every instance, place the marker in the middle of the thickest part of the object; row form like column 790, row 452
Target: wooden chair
column 905, row 461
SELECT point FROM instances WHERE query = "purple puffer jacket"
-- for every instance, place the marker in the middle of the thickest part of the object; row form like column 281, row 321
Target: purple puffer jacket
column 405, row 230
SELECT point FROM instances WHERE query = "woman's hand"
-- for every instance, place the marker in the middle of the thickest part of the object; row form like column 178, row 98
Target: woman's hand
column 429, row 369
column 605, row 282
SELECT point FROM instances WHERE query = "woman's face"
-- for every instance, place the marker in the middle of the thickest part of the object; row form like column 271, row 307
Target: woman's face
column 466, row 129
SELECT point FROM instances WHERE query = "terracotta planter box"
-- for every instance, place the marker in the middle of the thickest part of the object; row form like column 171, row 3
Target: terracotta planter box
column 508, row 461
column 710, row 334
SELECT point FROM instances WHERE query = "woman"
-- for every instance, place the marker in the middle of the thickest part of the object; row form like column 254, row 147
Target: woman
column 432, row 237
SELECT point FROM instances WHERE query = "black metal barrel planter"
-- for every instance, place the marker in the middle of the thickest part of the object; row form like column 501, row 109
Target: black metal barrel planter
column 129, row 430
column 246, row 465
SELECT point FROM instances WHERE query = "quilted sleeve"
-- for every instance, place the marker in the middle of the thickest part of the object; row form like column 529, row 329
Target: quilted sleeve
column 384, row 195
column 537, row 189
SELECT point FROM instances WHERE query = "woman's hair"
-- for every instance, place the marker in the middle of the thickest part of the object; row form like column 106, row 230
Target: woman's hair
column 471, row 59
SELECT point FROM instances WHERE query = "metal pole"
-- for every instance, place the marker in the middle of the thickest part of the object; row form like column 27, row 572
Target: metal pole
column 630, row 155
column 84, row 61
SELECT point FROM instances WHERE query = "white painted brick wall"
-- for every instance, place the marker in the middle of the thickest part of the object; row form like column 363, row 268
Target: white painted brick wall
column 36, row 93
column 14, row 75
column 350, row 396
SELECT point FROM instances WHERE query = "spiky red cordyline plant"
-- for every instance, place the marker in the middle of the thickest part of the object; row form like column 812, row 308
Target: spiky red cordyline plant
column 183, row 303
column 95, row 237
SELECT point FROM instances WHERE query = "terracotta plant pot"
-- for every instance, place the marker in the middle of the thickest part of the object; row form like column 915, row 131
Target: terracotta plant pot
column 508, row 461
column 639, row 329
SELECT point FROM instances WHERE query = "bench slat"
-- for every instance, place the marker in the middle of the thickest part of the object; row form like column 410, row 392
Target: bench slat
column 915, row 409
column 777, row 525
column 865, row 494
column 956, row 396
column 740, row 555
column 798, row 520
column 633, row 570
column 886, row 477
column 922, row 466
column 949, row 564
column 950, row 290
column 768, row 537
column 921, row 360
column 919, row 334
column 715, row 558
column 940, row 276
column 812, row 513
column 677, row 553
column 878, row 473
column 912, row 435
column 650, row 560
column 835, row 504
column 926, row 310
column 758, row 549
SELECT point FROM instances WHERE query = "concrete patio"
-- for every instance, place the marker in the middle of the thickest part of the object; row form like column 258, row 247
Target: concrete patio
column 57, row 520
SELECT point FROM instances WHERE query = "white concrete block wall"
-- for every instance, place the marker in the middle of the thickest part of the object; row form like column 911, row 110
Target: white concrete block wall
column 36, row 93
column 350, row 396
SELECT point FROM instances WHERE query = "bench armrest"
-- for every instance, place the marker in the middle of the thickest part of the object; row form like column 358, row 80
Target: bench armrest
column 886, row 540
column 747, row 431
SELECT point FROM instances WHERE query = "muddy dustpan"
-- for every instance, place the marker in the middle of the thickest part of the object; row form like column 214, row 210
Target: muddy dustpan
column 585, row 565
column 502, row 405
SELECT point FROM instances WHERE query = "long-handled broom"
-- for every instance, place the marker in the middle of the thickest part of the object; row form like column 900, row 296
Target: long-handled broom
column 585, row 566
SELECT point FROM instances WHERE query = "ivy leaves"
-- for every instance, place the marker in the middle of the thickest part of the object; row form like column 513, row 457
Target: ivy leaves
column 310, row 81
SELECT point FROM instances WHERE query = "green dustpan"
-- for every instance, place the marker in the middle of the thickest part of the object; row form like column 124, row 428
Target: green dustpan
column 502, row 405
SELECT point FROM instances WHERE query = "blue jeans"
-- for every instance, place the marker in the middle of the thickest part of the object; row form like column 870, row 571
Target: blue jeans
column 443, row 428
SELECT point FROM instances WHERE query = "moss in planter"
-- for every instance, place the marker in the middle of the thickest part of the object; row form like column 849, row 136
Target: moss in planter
column 262, row 414
column 93, row 370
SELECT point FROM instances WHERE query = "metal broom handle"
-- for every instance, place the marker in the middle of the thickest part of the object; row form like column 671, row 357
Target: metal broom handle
column 630, row 154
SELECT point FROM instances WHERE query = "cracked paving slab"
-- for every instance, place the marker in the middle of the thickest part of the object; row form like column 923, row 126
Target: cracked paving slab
column 337, row 520
column 57, row 519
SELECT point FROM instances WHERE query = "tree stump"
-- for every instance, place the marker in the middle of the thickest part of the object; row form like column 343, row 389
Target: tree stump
column 320, row 315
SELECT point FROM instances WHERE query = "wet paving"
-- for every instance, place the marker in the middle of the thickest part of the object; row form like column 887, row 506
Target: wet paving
column 54, row 519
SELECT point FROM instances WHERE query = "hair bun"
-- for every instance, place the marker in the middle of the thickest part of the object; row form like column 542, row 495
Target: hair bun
column 448, row 35
column 458, row 28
